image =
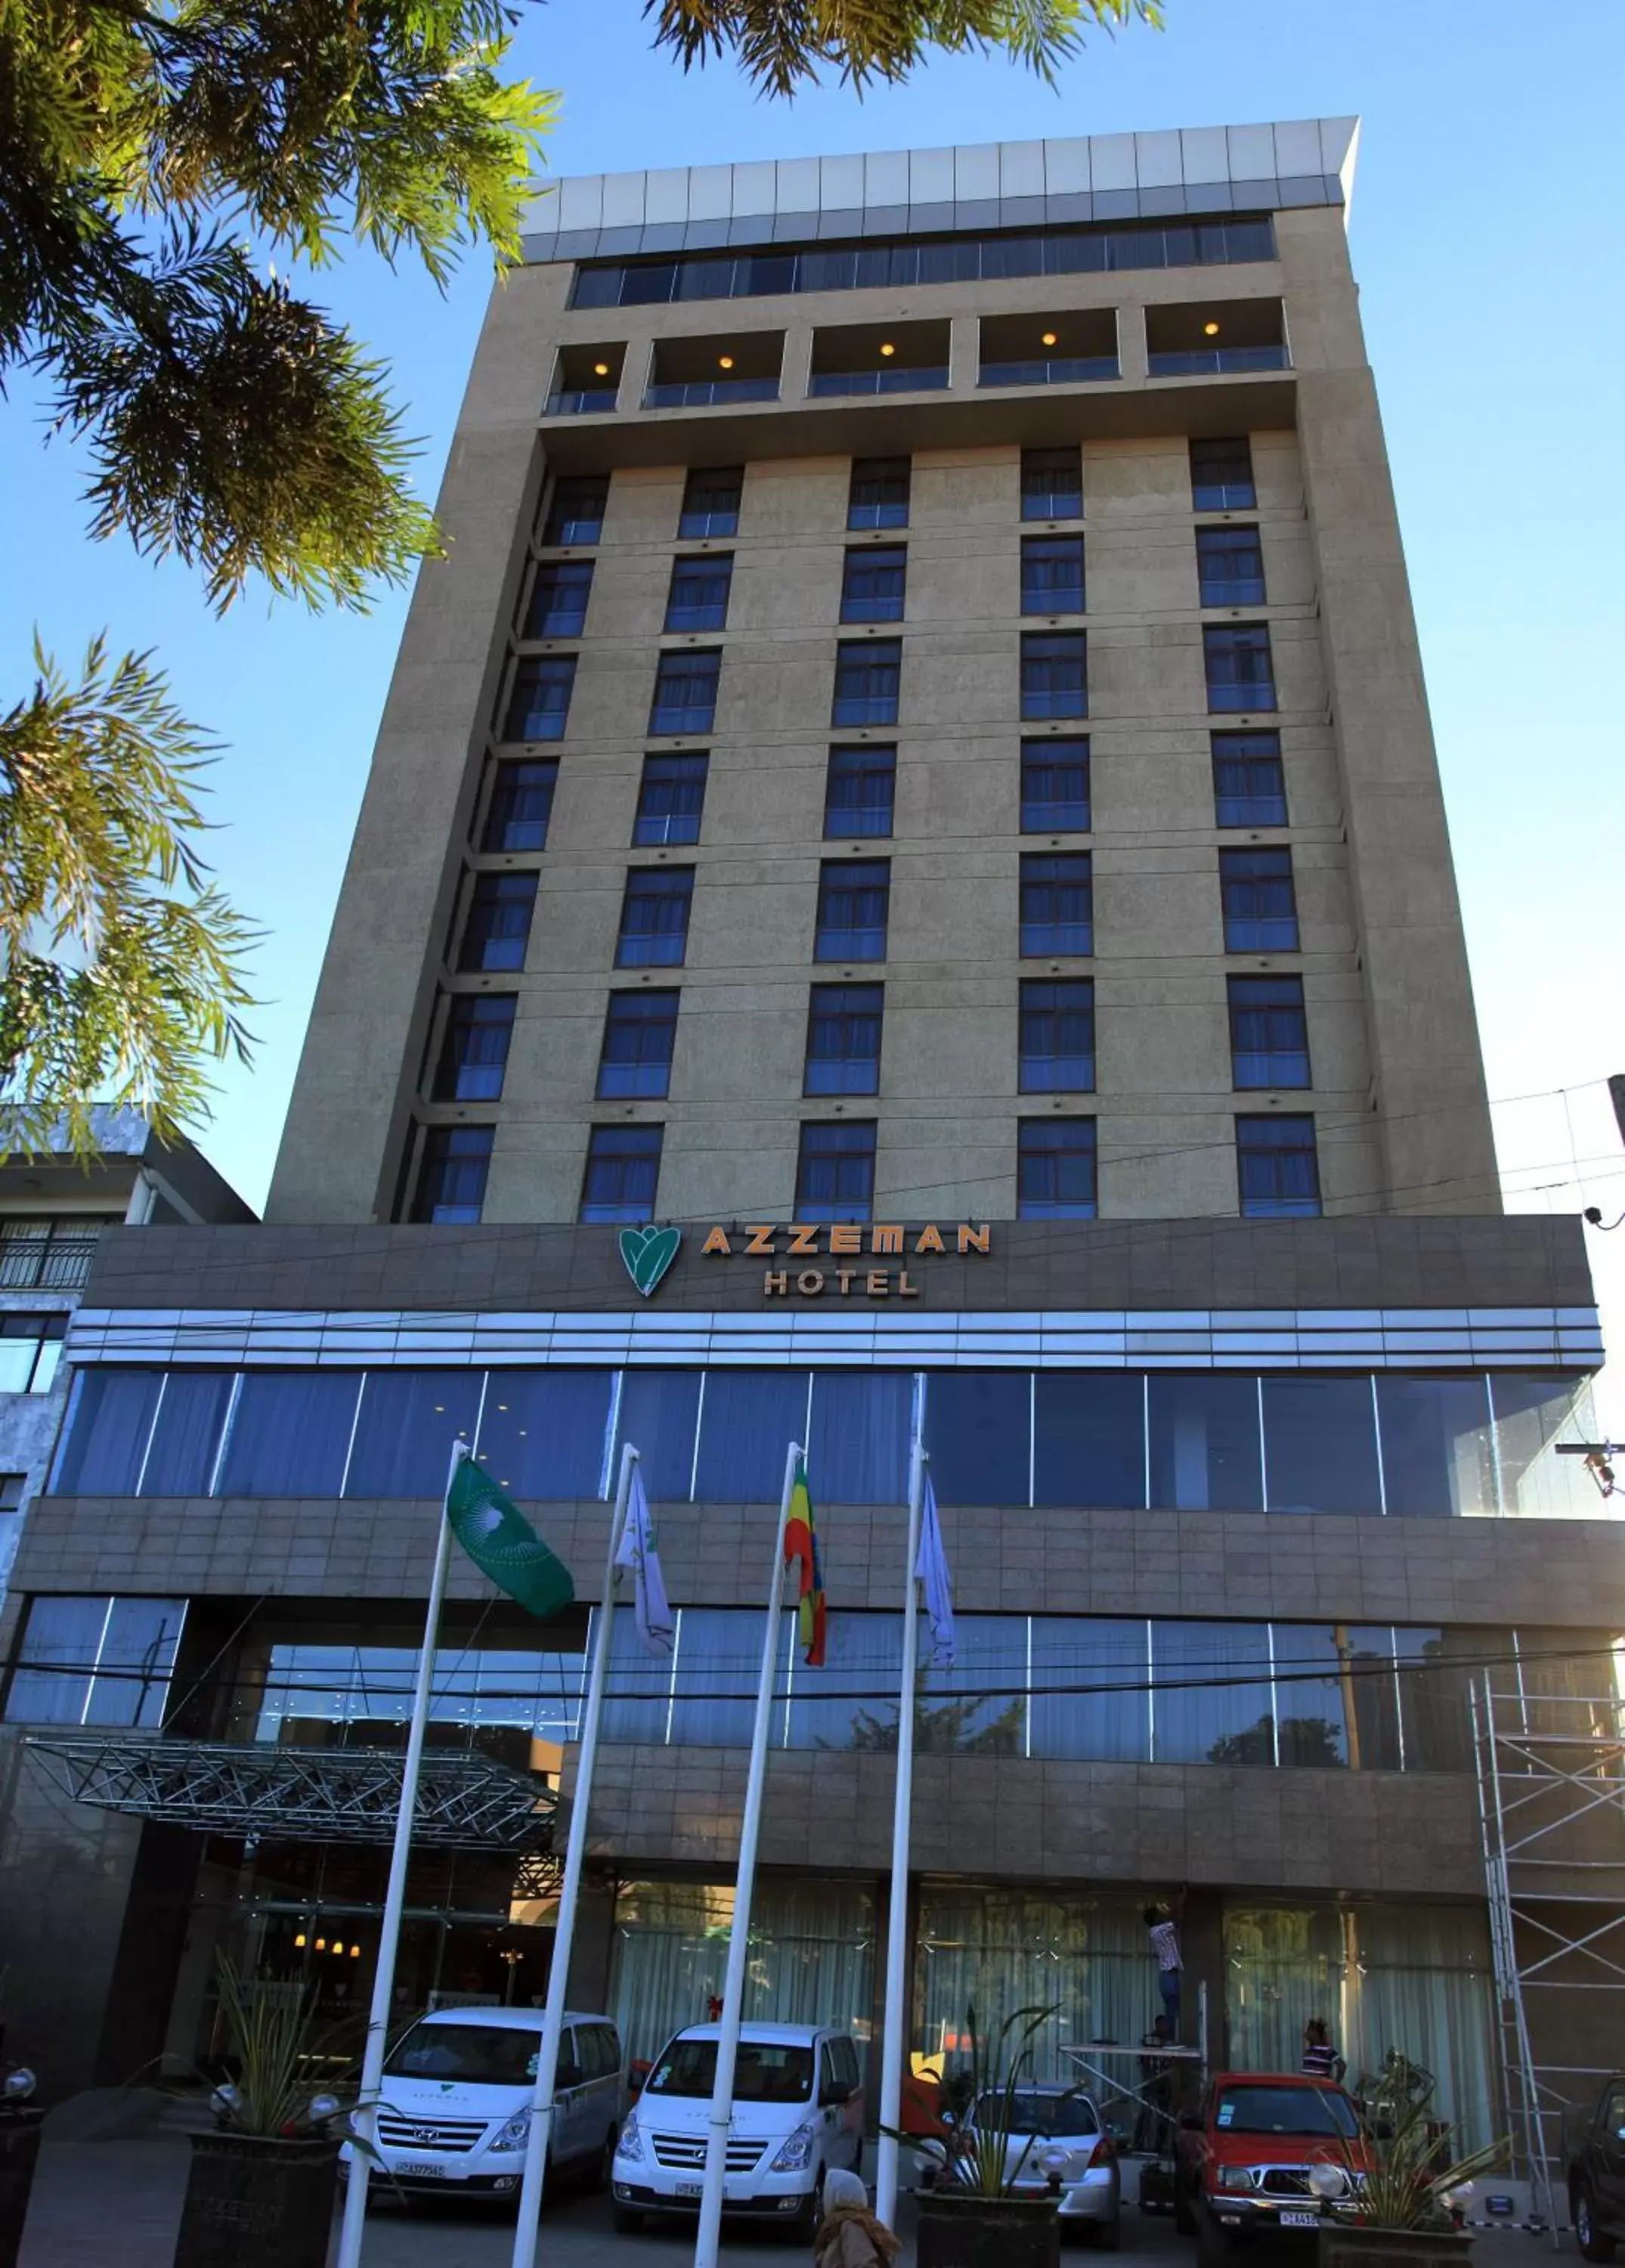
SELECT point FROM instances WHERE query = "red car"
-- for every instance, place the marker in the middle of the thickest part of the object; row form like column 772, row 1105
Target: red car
column 1245, row 2160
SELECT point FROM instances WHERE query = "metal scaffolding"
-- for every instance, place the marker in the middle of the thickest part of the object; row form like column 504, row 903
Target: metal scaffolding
column 465, row 1802
column 1551, row 1790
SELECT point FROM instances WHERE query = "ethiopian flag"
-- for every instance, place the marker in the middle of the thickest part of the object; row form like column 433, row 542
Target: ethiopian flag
column 502, row 1543
column 801, row 1553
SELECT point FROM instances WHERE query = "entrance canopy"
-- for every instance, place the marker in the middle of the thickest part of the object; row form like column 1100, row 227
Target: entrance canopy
column 465, row 1802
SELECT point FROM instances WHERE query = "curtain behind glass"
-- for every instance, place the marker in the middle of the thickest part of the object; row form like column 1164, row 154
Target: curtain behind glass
column 1222, row 1713
column 61, row 1640
column 1282, row 1965
column 718, row 1663
column 1313, row 1688
column 976, row 1427
column 181, row 1459
column 748, row 1421
column 1110, row 1719
column 542, row 1431
column 638, row 1687
column 949, row 1716
column 851, row 1703
column 659, row 1412
column 859, row 1450
column 291, row 1433
column 1205, row 1443
column 1320, row 1444
column 1090, row 1439
column 131, row 1684
column 1001, row 1950
column 408, row 1421
column 108, row 1436
column 1426, row 1990
column 1436, row 1453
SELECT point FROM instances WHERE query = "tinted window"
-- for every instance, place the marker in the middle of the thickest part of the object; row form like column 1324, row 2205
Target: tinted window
column 474, row 2055
column 766, row 2072
column 1282, row 2110
column 977, row 1426
column 1089, row 1448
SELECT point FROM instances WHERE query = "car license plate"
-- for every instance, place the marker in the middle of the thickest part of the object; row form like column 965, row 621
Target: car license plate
column 691, row 2188
column 420, row 2169
column 1300, row 2220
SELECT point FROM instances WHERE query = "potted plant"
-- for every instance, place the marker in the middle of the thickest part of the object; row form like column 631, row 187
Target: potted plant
column 1411, row 2189
column 261, row 2189
column 970, row 2216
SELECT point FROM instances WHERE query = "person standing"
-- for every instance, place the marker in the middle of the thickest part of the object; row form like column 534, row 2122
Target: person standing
column 1321, row 2059
column 1166, row 1950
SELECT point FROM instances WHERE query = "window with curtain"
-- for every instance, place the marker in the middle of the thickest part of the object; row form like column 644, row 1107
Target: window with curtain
column 109, row 1420
column 977, row 1423
column 180, row 1457
column 291, row 1433
column 978, row 1707
column 1091, row 1694
column 851, row 1702
column 637, row 1692
column 404, row 1431
column 1089, row 1446
column 96, row 1662
column 748, row 1419
column 1211, row 1698
column 715, row 1667
column 858, row 1451
column 1420, row 1978
column 659, row 1412
column 1320, row 1444
column 1314, row 1687
column 1435, row 1449
column 1283, row 1964
column 1000, row 1950
column 543, row 1432
column 1249, row 783
column 1204, row 1442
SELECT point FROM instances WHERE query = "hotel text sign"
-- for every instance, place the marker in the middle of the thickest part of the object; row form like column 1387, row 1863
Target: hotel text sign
column 847, row 1252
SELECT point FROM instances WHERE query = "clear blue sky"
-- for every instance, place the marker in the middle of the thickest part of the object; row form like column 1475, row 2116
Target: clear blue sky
column 1487, row 238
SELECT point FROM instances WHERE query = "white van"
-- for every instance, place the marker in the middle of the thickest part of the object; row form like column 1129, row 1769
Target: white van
column 797, row 2111
column 455, row 2107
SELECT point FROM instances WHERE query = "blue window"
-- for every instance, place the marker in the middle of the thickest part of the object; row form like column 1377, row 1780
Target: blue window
column 874, row 583
column 853, row 901
column 623, row 1173
column 558, row 605
column 291, row 1432
column 1057, row 1035
column 1052, row 574
column 1055, row 1169
column 878, row 494
column 1277, row 1169
column 1261, row 904
column 843, row 1039
column 452, row 1175
column 1054, row 673
column 640, row 1032
column 1054, row 786
column 96, row 1662
column 671, row 799
column 575, row 508
column 835, row 1172
column 30, row 1350
column 1249, row 785
column 1089, row 1439
column 859, row 790
column 684, row 698
column 539, row 702
column 1229, row 566
column 181, row 1455
column 1052, row 484
column 1269, row 1032
column 497, row 929
column 541, row 1431
column 698, row 598
column 746, row 1418
column 654, row 918
column 474, row 1052
column 868, row 677
column 1240, row 670
column 1221, row 475
column 1057, row 903
column 105, row 1443
column 711, row 503
column 521, row 805
column 859, row 1446
column 407, row 1420
column 979, row 1430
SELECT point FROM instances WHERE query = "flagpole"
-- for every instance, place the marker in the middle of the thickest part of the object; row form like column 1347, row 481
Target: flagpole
column 897, row 1912
column 364, row 2118
column 721, row 2116
column 570, row 1891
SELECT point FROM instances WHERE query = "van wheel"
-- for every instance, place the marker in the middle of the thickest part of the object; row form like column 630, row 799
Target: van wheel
column 598, row 2174
column 625, row 2221
column 1592, row 2244
column 804, row 2227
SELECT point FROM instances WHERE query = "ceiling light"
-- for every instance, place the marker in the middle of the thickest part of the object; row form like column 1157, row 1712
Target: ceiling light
column 724, row 362
column 1049, row 338
column 600, row 370
column 888, row 349
column 1210, row 330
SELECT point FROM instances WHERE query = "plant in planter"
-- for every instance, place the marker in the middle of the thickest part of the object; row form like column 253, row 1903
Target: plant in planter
column 971, row 2216
column 261, row 2189
column 1407, row 2180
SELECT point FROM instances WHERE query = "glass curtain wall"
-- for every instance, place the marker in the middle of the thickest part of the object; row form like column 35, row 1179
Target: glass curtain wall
column 1000, row 1950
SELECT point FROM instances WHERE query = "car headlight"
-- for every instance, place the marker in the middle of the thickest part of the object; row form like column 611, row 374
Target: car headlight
column 1235, row 2177
column 798, row 2151
column 516, row 2133
column 631, row 2143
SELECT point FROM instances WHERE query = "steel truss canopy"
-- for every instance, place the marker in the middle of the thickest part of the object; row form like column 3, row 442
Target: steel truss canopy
column 331, row 1795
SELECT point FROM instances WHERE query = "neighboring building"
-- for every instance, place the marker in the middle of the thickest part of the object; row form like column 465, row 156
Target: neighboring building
column 919, row 739
column 52, row 1210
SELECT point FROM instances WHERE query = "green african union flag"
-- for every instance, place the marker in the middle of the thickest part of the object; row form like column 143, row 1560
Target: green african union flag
column 503, row 1544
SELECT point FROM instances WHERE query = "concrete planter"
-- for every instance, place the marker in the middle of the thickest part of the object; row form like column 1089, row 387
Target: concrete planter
column 957, row 2231
column 20, row 2151
column 1343, row 2247
column 256, row 2202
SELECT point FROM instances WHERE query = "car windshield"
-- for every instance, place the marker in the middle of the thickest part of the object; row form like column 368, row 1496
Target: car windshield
column 1284, row 2110
column 767, row 2071
column 481, row 2055
column 1040, row 2114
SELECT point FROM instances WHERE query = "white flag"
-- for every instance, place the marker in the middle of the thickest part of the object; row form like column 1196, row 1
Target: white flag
column 637, row 1551
column 931, row 1568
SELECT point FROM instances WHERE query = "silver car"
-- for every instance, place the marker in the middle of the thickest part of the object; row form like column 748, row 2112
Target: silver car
column 1057, row 2142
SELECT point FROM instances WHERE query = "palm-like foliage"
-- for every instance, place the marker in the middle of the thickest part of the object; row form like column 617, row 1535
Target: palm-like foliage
column 269, row 2036
column 1404, row 2173
column 976, row 2147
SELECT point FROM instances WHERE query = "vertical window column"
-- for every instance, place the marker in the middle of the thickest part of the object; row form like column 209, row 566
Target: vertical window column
column 1277, row 1169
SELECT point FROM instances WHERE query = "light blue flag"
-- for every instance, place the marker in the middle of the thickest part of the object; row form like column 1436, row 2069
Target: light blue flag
column 931, row 1567
column 637, row 1551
